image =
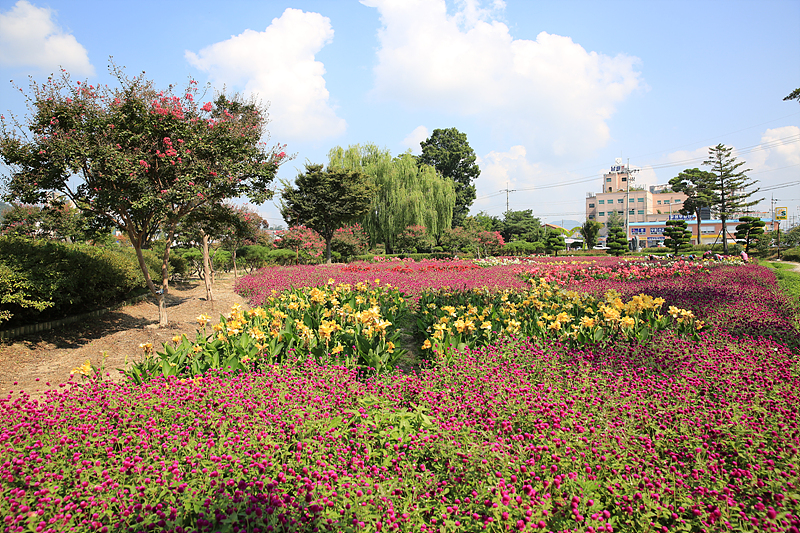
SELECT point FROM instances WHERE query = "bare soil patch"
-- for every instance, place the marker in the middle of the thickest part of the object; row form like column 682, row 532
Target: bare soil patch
column 37, row 363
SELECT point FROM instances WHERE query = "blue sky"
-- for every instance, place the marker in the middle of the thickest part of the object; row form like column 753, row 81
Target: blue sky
column 548, row 93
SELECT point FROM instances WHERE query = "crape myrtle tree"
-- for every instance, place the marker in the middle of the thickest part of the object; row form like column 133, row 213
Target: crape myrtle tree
column 350, row 241
column 300, row 239
column 326, row 200
column 414, row 239
column 748, row 230
column 206, row 224
column 677, row 236
column 139, row 157
column 55, row 220
column 405, row 193
column 698, row 186
column 730, row 186
column 448, row 151
column 245, row 227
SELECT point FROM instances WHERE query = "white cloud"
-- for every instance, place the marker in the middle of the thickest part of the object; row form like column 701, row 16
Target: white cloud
column 772, row 158
column 414, row 139
column 644, row 176
column 506, row 170
column 279, row 65
column 550, row 93
column 780, row 147
column 29, row 37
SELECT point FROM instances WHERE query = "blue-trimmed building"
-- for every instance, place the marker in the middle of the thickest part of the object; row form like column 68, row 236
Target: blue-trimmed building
column 648, row 210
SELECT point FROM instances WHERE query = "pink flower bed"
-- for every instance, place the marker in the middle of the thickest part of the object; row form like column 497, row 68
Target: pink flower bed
column 672, row 434
column 522, row 435
column 408, row 276
column 736, row 299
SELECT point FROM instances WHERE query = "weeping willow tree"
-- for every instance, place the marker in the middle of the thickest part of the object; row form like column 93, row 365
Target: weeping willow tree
column 405, row 194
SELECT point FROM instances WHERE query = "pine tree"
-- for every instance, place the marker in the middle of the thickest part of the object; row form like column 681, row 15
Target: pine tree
column 730, row 186
column 697, row 185
column 678, row 236
column 617, row 241
column 555, row 242
column 749, row 230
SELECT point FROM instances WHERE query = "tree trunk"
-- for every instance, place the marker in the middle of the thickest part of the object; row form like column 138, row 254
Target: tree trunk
column 160, row 294
column 235, row 272
column 724, row 211
column 206, row 267
column 162, row 310
column 328, row 249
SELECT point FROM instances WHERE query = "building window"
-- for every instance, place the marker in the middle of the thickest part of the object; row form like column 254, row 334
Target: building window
column 631, row 200
column 630, row 212
column 659, row 202
column 602, row 213
column 591, row 217
column 641, row 211
column 608, row 180
column 624, row 179
column 666, row 202
column 640, row 199
column 676, row 201
column 591, row 205
column 602, row 201
column 620, row 200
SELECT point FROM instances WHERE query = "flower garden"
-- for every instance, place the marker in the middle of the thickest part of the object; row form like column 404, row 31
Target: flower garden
column 531, row 395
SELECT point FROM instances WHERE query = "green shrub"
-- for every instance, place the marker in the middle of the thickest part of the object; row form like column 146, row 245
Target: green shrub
column 43, row 280
column 414, row 256
column 222, row 260
column 281, row 256
column 16, row 293
column 792, row 254
column 522, row 248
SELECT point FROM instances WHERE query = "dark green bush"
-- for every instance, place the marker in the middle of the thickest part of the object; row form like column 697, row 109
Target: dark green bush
column 414, row 256
column 523, row 248
column 178, row 265
column 44, row 280
column 281, row 256
column 792, row 254
column 222, row 260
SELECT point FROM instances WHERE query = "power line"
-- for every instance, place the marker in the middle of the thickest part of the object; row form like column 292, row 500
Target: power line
column 747, row 150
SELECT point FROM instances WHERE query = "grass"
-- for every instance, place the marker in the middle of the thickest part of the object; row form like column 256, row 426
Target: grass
column 789, row 283
column 788, row 278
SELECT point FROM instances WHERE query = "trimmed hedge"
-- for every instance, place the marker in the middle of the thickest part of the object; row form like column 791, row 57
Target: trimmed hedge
column 522, row 248
column 43, row 280
column 414, row 256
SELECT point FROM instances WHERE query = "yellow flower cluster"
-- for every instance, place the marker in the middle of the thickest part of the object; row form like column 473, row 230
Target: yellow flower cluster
column 316, row 316
column 543, row 310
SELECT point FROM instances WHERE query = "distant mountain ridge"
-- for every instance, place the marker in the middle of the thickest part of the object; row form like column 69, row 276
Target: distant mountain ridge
column 566, row 224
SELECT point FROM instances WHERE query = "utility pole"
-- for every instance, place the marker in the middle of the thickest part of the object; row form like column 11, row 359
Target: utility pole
column 627, row 200
column 507, row 190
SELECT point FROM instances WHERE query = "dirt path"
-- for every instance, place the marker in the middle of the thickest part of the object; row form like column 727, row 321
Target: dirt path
column 36, row 363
